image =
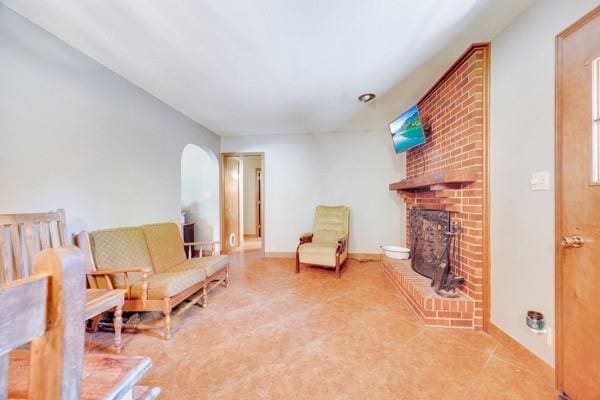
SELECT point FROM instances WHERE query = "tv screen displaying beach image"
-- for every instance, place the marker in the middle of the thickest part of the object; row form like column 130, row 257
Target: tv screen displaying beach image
column 407, row 130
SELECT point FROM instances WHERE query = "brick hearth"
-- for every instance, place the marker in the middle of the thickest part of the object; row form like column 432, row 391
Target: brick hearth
column 431, row 308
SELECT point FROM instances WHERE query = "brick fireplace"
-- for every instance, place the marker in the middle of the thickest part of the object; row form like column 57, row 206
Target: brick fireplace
column 449, row 172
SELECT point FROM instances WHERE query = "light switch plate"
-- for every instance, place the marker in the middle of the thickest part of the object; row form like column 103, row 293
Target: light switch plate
column 540, row 180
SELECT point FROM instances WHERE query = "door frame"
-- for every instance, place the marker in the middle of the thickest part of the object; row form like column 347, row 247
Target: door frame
column 558, row 159
column 222, row 159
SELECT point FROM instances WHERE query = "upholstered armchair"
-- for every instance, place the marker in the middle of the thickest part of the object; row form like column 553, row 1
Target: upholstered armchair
column 327, row 244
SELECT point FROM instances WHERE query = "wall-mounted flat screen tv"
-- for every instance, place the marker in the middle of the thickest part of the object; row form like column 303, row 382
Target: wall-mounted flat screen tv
column 407, row 131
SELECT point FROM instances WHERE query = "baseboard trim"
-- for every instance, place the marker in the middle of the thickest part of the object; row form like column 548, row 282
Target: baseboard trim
column 351, row 256
column 507, row 341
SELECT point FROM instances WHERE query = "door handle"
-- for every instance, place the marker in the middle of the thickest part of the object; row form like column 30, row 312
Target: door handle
column 575, row 241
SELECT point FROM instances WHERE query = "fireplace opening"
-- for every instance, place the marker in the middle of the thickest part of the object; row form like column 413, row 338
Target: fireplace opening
column 433, row 245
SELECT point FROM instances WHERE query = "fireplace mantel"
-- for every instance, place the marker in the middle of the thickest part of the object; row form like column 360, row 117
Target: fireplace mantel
column 442, row 177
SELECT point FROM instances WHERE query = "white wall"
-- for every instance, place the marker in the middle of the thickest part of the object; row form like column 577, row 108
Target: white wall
column 200, row 191
column 75, row 135
column 304, row 170
column 249, row 196
column 522, row 141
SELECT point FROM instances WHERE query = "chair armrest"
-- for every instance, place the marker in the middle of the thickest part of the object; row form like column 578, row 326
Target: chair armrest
column 189, row 246
column 118, row 271
column 126, row 271
column 201, row 243
column 306, row 237
column 342, row 243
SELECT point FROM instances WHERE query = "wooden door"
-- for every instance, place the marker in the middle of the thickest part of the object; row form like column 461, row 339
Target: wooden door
column 258, row 206
column 578, row 209
column 231, row 201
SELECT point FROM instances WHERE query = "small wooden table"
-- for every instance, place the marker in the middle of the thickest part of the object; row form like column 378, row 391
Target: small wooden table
column 106, row 377
column 98, row 301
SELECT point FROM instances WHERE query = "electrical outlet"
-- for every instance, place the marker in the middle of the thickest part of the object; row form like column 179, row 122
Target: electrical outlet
column 540, row 180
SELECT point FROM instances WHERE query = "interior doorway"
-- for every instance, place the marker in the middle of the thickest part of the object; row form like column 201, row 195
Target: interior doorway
column 242, row 201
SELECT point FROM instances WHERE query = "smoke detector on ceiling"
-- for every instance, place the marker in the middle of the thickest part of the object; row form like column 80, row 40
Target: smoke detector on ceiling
column 366, row 97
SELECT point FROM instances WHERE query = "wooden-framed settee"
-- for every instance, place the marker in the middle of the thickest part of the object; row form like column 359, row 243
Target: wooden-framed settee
column 149, row 262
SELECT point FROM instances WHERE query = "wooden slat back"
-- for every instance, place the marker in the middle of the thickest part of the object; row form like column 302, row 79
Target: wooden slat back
column 15, row 239
column 44, row 240
column 46, row 309
column 30, row 246
column 62, row 226
column 5, row 261
column 22, row 236
column 54, row 237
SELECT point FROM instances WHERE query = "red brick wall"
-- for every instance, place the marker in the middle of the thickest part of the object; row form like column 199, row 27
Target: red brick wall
column 455, row 110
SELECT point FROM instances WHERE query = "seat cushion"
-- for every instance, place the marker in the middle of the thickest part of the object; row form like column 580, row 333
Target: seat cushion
column 210, row 265
column 164, row 245
column 319, row 254
column 169, row 284
column 120, row 248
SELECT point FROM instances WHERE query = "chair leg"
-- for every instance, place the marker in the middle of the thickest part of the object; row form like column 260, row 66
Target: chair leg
column 337, row 267
column 204, row 297
column 297, row 262
column 167, row 325
column 118, row 325
column 226, row 283
column 95, row 322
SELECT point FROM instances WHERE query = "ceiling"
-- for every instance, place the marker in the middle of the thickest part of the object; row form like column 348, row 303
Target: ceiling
column 270, row 66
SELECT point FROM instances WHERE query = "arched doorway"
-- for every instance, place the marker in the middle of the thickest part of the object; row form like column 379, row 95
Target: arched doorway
column 200, row 192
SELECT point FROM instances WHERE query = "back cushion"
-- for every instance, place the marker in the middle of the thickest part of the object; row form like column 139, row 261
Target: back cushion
column 165, row 245
column 331, row 223
column 120, row 248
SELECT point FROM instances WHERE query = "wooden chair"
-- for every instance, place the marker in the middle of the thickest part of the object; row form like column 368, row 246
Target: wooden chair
column 55, row 367
column 23, row 236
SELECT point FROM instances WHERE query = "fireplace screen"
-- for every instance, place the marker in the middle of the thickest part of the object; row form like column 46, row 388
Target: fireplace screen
column 431, row 238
